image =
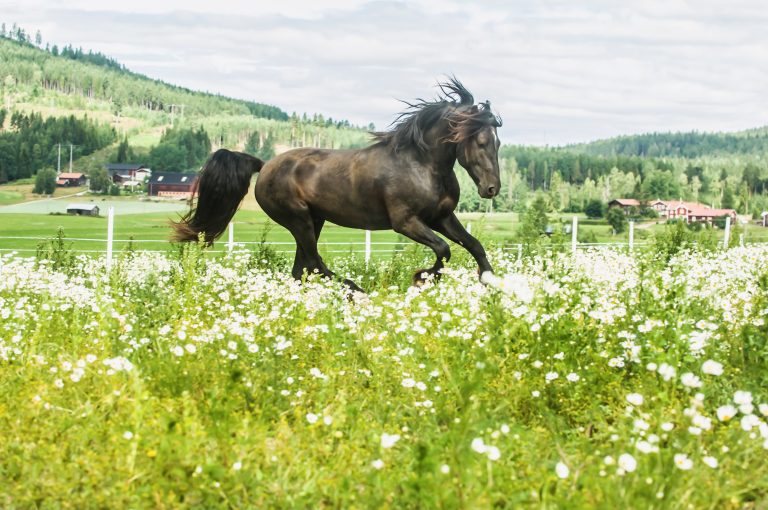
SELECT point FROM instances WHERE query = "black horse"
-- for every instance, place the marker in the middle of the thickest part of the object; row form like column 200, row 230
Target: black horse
column 404, row 181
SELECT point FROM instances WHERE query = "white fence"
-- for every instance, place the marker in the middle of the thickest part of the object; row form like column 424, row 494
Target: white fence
column 364, row 246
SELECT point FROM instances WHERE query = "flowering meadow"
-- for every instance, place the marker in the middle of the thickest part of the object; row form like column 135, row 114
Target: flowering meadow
column 181, row 380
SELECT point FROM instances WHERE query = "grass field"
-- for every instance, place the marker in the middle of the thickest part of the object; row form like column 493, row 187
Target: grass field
column 249, row 227
column 599, row 380
column 146, row 222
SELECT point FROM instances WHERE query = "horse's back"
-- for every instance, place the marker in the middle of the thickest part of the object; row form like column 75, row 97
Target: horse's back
column 338, row 185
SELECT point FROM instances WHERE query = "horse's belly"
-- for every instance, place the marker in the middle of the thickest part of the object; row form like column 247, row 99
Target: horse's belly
column 355, row 217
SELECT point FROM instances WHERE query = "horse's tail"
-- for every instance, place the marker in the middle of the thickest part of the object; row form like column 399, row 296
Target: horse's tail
column 222, row 185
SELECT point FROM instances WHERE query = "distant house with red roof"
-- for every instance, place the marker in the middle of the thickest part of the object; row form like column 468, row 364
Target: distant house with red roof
column 690, row 211
column 630, row 206
column 624, row 202
column 67, row 179
column 678, row 209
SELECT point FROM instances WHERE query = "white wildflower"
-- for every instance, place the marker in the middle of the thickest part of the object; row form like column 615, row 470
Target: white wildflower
column 726, row 412
column 666, row 371
column 389, row 440
column 690, row 380
column 682, row 462
column 742, row 397
column 711, row 367
column 627, row 462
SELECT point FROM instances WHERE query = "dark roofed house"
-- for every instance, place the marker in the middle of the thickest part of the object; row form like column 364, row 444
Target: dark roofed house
column 120, row 172
column 171, row 185
column 628, row 205
column 83, row 209
column 71, row 179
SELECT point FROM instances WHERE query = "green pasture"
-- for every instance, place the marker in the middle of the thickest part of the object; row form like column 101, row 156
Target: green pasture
column 10, row 197
column 24, row 232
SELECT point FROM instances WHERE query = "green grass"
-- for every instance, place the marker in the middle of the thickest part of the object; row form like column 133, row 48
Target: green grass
column 10, row 197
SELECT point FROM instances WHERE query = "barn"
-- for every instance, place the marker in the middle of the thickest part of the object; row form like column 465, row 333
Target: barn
column 171, row 185
column 83, row 209
column 67, row 179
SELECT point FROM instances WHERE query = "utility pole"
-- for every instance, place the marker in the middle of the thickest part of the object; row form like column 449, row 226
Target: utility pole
column 70, row 157
column 58, row 167
column 173, row 110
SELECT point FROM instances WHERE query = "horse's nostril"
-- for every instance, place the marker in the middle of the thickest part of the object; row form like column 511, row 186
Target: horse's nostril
column 491, row 190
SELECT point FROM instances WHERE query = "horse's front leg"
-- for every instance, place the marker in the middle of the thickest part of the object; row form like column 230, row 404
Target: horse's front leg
column 451, row 227
column 414, row 228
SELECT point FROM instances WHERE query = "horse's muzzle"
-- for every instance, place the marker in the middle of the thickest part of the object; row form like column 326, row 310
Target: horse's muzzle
column 488, row 191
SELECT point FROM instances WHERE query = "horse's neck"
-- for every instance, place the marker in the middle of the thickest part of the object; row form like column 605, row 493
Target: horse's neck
column 441, row 153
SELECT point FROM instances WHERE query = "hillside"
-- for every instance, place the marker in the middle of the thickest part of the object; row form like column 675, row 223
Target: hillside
column 58, row 83
column 75, row 73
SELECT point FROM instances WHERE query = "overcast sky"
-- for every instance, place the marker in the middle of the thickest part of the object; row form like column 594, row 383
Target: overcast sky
column 556, row 72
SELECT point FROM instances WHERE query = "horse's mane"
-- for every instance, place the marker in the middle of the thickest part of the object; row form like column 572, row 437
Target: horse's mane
column 454, row 103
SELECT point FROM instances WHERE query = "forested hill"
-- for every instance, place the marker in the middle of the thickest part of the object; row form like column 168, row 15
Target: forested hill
column 678, row 145
column 95, row 76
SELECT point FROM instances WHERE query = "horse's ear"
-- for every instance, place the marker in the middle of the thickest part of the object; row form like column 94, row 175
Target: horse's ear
column 486, row 106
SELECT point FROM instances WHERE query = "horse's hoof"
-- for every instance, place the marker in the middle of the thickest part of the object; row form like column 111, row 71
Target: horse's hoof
column 488, row 278
column 352, row 286
column 420, row 278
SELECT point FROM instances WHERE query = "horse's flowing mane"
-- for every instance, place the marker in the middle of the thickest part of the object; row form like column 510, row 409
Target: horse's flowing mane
column 454, row 103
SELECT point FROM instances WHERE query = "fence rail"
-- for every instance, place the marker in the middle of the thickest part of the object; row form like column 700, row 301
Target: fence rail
column 368, row 247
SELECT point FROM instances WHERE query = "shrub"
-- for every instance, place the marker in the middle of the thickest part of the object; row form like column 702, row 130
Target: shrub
column 594, row 209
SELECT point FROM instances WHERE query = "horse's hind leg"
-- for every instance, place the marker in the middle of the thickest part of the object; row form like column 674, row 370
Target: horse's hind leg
column 306, row 231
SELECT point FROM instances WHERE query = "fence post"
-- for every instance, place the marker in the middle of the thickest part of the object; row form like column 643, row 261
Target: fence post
column 631, row 235
column 727, row 235
column 367, row 247
column 574, row 236
column 519, row 251
column 110, row 235
column 231, row 241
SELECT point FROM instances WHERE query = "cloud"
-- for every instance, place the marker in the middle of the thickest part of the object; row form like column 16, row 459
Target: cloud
column 558, row 72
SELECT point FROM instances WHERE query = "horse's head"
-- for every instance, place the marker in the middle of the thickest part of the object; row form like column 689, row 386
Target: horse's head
column 477, row 147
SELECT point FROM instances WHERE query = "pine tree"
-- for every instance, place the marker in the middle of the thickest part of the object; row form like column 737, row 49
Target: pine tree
column 728, row 201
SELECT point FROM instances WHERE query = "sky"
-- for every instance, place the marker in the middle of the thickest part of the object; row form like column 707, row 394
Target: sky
column 557, row 72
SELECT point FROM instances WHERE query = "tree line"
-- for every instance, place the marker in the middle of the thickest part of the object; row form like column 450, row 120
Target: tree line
column 678, row 145
column 32, row 142
column 570, row 181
